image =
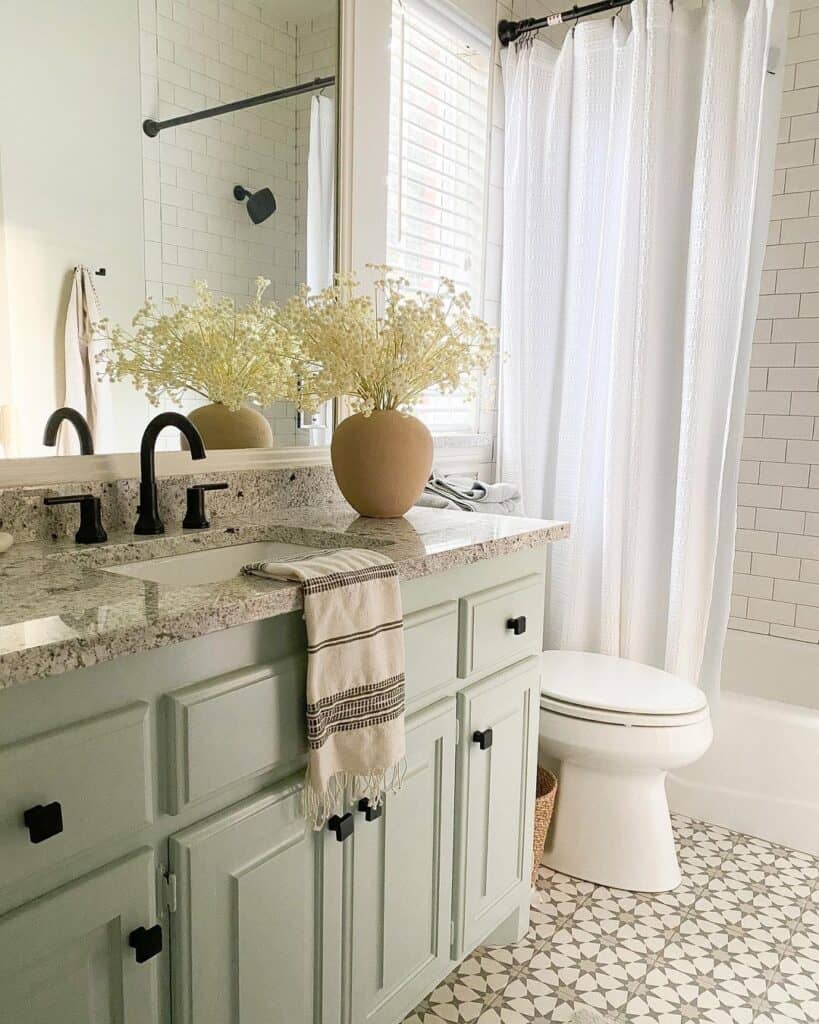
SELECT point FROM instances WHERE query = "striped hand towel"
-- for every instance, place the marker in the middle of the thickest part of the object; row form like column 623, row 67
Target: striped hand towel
column 355, row 675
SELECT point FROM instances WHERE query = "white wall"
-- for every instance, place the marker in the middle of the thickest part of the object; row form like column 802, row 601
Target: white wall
column 71, row 178
column 8, row 439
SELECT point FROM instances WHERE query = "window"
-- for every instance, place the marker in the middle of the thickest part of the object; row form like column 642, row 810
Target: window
column 436, row 191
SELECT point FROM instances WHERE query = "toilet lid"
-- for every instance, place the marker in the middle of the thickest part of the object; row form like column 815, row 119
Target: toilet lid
column 615, row 684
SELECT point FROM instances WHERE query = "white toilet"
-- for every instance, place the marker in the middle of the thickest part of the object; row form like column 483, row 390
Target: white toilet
column 613, row 728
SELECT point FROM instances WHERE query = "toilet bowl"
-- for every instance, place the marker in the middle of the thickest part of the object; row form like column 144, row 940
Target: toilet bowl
column 613, row 729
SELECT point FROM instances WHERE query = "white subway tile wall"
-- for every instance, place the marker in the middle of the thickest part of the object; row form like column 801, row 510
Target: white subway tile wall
column 200, row 53
column 776, row 566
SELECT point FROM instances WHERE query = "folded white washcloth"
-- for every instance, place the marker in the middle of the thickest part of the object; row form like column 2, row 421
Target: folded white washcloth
column 477, row 490
column 469, row 495
column 355, row 675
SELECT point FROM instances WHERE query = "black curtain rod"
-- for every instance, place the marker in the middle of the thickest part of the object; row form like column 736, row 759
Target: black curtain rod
column 509, row 31
column 153, row 128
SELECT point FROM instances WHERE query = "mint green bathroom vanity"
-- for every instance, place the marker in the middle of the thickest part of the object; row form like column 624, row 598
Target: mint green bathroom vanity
column 154, row 862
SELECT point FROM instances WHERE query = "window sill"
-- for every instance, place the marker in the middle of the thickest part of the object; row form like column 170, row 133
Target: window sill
column 463, row 453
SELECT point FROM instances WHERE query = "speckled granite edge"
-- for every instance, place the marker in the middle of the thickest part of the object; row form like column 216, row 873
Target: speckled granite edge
column 60, row 610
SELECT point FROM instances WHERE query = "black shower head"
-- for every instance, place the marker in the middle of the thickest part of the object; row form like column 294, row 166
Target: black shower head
column 259, row 204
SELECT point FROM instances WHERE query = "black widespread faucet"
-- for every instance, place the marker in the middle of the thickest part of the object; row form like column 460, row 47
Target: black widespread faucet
column 149, row 521
column 80, row 425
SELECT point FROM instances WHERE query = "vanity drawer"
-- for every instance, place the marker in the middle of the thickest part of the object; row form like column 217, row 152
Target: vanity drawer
column 431, row 642
column 500, row 625
column 233, row 727
column 80, row 785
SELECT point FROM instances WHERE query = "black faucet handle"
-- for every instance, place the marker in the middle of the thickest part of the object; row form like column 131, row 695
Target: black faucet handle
column 91, row 530
column 195, row 518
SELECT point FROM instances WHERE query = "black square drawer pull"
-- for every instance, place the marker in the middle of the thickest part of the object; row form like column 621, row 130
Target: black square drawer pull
column 146, row 942
column 517, row 625
column 482, row 738
column 43, row 821
column 342, row 826
column 370, row 812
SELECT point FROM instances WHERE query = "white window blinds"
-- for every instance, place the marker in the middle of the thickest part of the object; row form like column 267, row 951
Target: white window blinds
column 437, row 167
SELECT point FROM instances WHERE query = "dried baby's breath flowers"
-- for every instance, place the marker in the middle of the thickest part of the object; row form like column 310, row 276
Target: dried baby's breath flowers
column 384, row 352
column 227, row 354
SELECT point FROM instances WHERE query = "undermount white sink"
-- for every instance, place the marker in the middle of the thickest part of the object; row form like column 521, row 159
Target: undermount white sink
column 211, row 566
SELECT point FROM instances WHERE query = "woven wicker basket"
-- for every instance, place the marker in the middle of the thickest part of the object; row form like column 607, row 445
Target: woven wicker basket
column 544, row 806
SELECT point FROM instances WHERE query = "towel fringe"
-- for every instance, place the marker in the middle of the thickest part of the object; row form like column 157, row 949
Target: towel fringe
column 344, row 787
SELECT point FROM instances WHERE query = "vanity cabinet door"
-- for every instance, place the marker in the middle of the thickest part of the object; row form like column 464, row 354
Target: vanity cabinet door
column 402, row 878
column 497, row 764
column 66, row 956
column 246, row 933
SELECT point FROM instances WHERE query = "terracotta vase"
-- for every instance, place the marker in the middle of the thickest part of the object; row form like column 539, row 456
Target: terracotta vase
column 381, row 462
column 220, row 427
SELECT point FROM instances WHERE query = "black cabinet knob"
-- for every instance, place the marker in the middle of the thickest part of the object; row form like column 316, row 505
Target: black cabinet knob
column 43, row 821
column 482, row 738
column 146, row 942
column 370, row 812
column 517, row 625
column 342, row 825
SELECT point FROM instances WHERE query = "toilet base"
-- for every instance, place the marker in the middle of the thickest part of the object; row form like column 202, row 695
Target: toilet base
column 613, row 828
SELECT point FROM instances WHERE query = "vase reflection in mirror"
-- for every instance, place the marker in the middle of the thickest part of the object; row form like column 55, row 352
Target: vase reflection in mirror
column 223, row 428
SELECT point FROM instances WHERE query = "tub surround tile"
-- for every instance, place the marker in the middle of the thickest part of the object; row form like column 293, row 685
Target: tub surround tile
column 59, row 609
column 784, row 382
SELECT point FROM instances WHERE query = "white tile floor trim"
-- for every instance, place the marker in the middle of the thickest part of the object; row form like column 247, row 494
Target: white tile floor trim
column 736, row 943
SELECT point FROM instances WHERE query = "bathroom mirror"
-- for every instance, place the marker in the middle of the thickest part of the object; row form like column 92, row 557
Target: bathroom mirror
column 225, row 199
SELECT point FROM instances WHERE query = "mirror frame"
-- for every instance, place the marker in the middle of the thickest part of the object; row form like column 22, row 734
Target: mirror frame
column 45, row 470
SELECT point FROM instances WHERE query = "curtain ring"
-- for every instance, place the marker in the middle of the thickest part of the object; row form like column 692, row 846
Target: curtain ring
column 526, row 39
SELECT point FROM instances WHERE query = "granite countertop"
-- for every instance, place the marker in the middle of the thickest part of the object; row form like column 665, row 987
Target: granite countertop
column 60, row 610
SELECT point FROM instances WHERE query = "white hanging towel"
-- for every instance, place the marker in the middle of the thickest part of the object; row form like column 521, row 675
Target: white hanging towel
column 321, row 194
column 84, row 391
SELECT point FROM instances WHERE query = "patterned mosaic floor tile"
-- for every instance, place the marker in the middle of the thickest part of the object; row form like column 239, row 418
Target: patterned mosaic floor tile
column 736, row 943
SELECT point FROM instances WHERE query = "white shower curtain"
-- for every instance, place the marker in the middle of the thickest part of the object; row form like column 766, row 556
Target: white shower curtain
column 321, row 193
column 638, row 168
